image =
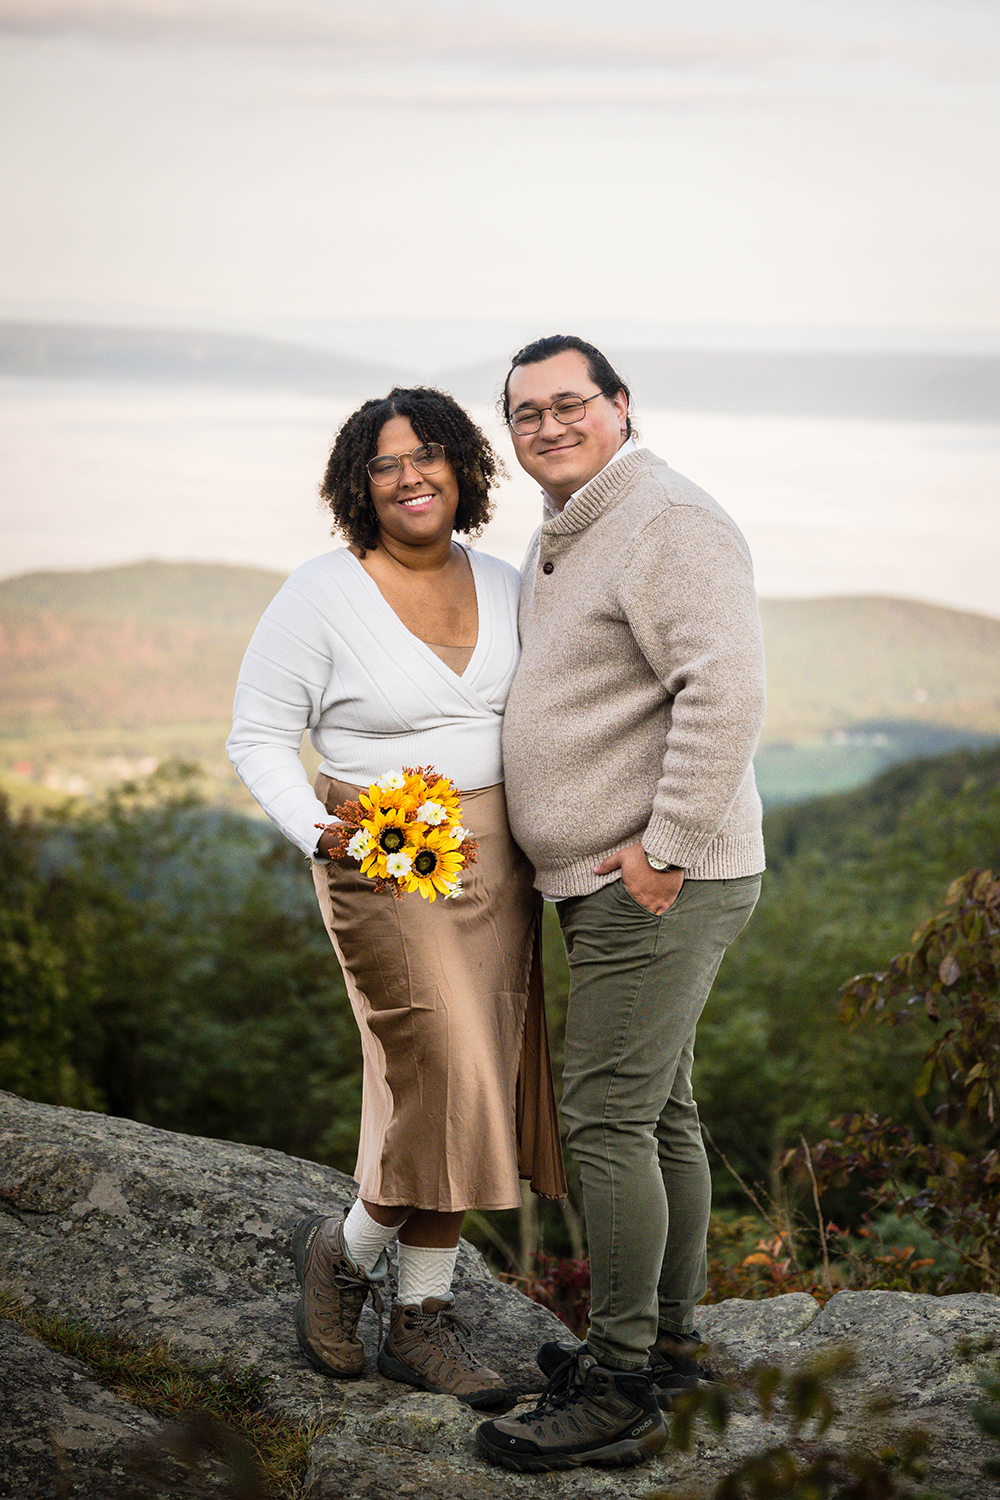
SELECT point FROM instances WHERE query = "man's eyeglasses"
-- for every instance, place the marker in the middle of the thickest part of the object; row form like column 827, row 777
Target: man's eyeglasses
column 569, row 409
column 387, row 468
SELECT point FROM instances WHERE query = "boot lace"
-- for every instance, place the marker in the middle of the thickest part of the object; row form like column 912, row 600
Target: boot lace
column 348, row 1297
column 564, row 1389
column 451, row 1333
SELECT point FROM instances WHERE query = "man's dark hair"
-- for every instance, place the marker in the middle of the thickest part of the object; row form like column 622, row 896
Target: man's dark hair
column 436, row 418
column 599, row 368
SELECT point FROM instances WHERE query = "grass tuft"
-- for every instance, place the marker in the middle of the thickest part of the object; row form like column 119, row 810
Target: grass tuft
column 215, row 1409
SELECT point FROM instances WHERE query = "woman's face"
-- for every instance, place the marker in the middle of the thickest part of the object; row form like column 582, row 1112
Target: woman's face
column 415, row 509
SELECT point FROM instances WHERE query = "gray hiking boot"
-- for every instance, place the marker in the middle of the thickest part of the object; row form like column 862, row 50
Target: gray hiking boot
column 589, row 1414
column 334, row 1290
column 673, row 1364
column 428, row 1346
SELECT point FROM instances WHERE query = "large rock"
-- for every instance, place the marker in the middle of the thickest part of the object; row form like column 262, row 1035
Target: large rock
column 169, row 1237
column 54, row 1419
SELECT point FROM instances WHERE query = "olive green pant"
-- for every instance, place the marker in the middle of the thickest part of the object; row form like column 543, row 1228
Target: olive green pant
column 638, row 984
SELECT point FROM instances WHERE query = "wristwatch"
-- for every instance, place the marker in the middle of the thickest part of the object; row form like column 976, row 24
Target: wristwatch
column 660, row 864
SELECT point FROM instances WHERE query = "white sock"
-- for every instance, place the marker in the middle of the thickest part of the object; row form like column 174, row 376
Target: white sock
column 365, row 1238
column 424, row 1272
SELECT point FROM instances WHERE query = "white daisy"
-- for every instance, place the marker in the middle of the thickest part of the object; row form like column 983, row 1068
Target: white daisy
column 460, row 833
column 431, row 812
column 360, row 844
column 454, row 890
column 392, row 781
column 398, row 865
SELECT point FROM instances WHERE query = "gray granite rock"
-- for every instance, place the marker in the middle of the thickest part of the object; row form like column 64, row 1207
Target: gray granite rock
column 57, row 1422
column 170, row 1237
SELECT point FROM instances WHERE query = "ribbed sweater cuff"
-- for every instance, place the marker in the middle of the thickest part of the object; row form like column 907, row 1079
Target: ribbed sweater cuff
column 711, row 857
column 724, row 859
column 678, row 846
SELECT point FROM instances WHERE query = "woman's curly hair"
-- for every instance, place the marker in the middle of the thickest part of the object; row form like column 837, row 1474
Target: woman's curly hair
column 436, row 418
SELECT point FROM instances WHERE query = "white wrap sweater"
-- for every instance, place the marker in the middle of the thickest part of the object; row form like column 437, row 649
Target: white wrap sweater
column 331, row 657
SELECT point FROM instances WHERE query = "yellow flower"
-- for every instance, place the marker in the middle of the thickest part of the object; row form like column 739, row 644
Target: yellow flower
column 378, row 799
column 415, row 784
column 390, row 834
column 437, row 864
column 445, row 792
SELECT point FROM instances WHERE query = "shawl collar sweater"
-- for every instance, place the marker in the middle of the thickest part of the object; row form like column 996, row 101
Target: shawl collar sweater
column 639, row 696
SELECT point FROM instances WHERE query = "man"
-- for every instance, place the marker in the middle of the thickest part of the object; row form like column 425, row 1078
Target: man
column 627, row 758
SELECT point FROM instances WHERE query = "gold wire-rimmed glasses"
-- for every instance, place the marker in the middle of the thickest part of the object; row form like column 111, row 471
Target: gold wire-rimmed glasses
column 567, row 410
column 387, row 467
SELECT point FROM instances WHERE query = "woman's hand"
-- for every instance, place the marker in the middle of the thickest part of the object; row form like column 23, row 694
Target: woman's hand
column 325, row 843
column 656, row 890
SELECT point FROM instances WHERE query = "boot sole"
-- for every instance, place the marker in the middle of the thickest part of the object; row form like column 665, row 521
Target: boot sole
column 486, row 1400
column 301, row 1241
column 626, row 1453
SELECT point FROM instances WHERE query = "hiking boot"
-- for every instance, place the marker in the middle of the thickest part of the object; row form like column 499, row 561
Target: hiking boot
column 673, row 1365
column 427, row 1346
column 334, row 1290
column 589, row 1414
column 551, row 1355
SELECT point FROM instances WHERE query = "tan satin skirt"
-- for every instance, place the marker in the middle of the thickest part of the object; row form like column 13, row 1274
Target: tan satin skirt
column 457, row 1101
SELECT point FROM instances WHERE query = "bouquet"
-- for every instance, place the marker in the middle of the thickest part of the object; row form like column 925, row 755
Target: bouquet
column 406, row 833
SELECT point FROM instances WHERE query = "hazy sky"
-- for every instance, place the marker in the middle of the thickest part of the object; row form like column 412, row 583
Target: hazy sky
column 751, row 162
column 432, row 182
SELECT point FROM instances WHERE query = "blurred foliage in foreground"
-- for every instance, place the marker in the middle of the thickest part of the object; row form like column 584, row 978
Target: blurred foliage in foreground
column 164, row 960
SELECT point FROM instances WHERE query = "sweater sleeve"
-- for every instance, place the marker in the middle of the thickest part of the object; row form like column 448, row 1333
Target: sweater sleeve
column 689, row 597
column 279, row 695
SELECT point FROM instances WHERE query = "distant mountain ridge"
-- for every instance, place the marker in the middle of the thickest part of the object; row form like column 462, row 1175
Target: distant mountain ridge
column 904, row 386
column 161, row 643
column 849, row 663
column 93, row 352
column 874, row 384
column 199, row 594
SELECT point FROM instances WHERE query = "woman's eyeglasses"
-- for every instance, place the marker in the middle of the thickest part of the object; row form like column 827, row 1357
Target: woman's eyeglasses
column 387, row 468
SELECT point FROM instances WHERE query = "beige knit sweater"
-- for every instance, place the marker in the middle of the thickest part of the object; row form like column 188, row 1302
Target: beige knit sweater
column 640, row 692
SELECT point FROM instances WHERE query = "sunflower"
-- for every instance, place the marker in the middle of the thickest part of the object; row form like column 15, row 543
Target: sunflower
column 390, row 834
column 378, row 798
column 437, row 864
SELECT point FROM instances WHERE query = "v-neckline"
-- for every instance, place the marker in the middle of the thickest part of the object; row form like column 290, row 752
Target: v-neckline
column 424, row 647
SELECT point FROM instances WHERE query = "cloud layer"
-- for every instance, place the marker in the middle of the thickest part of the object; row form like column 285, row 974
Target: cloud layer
column 483, row 36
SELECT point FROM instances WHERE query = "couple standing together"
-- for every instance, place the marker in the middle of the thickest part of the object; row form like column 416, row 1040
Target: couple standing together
column 614, row 692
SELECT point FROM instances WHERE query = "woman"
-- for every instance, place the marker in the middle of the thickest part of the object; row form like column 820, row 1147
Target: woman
column 398, row 650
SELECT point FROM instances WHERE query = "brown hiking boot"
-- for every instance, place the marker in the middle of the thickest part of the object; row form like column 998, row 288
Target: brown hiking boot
column 334, row 1290
column 427, row 1346
column 589, row 1414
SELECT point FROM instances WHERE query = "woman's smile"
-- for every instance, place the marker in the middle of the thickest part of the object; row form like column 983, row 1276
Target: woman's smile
column 428, row 501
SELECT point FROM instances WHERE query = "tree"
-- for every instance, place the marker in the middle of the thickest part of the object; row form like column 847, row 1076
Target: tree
column 165, row 960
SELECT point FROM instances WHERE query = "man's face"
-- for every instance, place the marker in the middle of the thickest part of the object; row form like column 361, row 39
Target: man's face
column 565, row 458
